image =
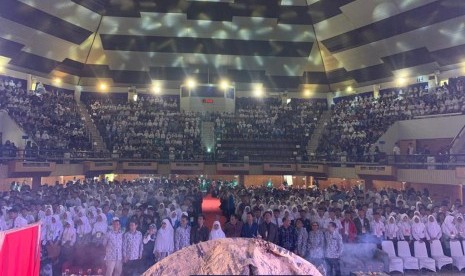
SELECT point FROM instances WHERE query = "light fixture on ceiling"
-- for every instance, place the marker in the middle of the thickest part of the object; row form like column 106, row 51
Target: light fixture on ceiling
column 156, row 87
column 258, row 90
column 191, row 83
column 57, row 81
column 224, row 84
column 401, row 81
column 102, row 86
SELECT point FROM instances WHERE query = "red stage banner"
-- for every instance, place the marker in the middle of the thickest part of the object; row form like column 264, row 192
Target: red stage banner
column 20, row 251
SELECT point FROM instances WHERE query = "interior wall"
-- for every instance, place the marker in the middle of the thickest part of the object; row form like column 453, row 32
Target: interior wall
column 11, row 130
column 380, row 184
column 342, row 183
column 261, row 180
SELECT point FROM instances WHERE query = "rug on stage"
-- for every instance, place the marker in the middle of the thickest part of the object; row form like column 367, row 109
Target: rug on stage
column 237, row 256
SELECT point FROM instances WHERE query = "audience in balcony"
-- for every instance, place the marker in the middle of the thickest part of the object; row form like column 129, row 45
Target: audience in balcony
column 357, row 123
column 152, row 127
column 51, row 119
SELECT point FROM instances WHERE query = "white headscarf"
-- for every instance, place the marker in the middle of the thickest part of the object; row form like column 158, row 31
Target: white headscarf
column 100, row 226
column 55, row 229
column 460, row 225
column 165, row 238
column 217, row 233
column 391, row 227
column 69, row 233
column 433, row 228
column 418, row 228
column 85, row 227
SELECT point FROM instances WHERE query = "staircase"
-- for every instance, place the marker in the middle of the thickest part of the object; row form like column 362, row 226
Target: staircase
column 207, row 131
column 314, row 141
column 98, row 145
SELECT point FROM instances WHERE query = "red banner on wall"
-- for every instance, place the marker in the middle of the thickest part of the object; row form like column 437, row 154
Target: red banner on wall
column 20, row 251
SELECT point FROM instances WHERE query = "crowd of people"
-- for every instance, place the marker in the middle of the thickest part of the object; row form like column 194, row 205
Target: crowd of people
column 152, row 127
column 128, row 226
column 267, row 120
column 8, row 149
column 315, row 223
column 357, row 123
column 50, row 118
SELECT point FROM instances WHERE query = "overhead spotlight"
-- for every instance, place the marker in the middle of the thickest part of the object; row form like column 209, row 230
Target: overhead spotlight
column 349, row 89
column 307, row 92
column 224, row 84
column 102, row 86
column 258, row 90
column 401, row 81
column 191, row 83
column 156, row 87
column 57, row 81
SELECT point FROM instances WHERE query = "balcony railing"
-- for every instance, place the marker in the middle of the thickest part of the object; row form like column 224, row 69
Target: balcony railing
column 417, row 161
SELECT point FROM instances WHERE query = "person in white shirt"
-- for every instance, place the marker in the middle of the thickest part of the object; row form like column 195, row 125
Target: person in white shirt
column 332, row 218
column 216, row 232
column 377, row 227
column 405, row 229
column 277, row 220
column 391, row 230
column 17, row 220
column 433, row 228
column 419, row 232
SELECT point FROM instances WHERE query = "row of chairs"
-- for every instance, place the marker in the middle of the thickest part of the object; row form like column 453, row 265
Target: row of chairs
column 405, row 260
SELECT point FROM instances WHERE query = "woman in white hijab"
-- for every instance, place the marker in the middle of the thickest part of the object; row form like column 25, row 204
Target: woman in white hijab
column 100, row 225
column 83, row 229
column 69, row 233
column 54, row 230
column 164, row 243
column 448, row 228
column 216, row 232
column 433, row 228
column 460, row 225
column 391, row 230
column 449, row 232
column 405, row 229
column 419, row 232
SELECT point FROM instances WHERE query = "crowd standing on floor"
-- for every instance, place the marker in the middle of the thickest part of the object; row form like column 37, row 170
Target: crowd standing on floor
column 125, row 227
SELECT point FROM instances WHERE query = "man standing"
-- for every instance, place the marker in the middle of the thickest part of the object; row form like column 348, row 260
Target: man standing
column 333, row 250
column 250, row 228
column 267, row 230
column 233, row 228
column 277, row 217
column 132, row 249
column 287, row 235
column 363, row 225
column 200, row 232
column 17, row 220
column 114, row 249
column 182, row 235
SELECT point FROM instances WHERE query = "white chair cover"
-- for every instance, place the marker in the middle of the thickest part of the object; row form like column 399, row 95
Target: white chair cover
column 438, row 254
column 404, row 253
column 395, row 263
column 458, row 259
column 422, row 255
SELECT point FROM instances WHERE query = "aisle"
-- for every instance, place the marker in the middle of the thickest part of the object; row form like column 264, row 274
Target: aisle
column 211, row 210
